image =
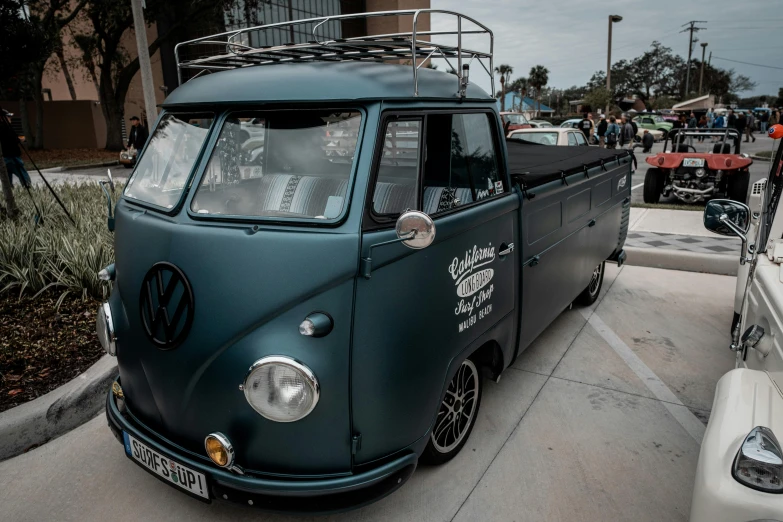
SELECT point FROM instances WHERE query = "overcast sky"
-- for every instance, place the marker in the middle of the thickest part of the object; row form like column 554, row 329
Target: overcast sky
column 569, row 37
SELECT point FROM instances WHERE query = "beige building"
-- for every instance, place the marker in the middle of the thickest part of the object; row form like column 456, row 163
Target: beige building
column 87, row 115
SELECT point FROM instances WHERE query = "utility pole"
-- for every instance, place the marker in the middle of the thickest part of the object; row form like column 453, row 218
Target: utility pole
column 145, row 68
column 692, row 29
column 701, row 77
column 612, row 19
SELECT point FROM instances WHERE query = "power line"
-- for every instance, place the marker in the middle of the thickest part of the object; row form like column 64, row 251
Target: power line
column 748, row 63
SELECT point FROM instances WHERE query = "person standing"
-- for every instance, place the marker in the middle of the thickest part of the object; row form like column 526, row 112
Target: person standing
column 731, row 120
column 602, row 126
column 692, row 122
column 710, row 118
column 12, row 154
column 586, row 126
column 138, row 134
column 626, row 133
column 763, row 121
column 774, row 118
column 749, row 124
column 612, row 133
column 740, row 125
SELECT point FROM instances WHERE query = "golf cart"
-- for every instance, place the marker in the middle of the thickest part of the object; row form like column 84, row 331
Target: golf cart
column 697, row 175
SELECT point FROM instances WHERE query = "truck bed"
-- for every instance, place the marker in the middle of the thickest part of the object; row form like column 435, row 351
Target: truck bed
column 575, row 211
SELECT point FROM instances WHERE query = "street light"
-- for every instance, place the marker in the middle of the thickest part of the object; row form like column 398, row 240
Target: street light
column 615, row 19
column 701, row 77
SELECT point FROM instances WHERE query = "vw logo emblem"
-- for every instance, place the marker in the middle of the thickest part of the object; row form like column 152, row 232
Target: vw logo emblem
column 166, row 304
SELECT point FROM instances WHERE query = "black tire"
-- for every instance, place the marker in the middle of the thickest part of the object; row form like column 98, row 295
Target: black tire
column 737, row 186
column 653, row 185
column 464, row 392
column 665, row 133
column 590, row 293
column 127, row 166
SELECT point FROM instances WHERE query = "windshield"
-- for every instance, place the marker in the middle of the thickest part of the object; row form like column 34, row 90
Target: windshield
column 280, row 164
column 515, row 119
column 164, row 168
column 542, row 138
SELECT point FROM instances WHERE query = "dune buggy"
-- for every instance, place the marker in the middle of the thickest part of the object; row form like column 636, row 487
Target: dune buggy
column 693, row 175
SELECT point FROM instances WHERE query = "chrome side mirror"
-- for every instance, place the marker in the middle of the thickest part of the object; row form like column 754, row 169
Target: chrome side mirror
column 415, row 229
column 110, row 183
column 111, row 180
column 727, row 218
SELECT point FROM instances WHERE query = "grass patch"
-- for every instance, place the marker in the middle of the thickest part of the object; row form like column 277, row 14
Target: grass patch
column 49, row 158
column 49, row 290
column 763, row 154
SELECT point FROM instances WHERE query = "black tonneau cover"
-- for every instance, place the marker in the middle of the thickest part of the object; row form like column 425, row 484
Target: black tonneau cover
column 538, row 164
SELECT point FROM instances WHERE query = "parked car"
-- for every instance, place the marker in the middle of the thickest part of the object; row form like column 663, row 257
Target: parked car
column 128, row 157
column 300, row 339
column 739, row 475
column 514, row 121
column 549, row 136
column 653, row 122
column 692, row 175
column 540, row 124
column 656, row 134
column 573, row 123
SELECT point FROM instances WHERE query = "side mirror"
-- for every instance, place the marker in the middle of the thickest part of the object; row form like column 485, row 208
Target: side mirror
column 415, row 229
column 103, row 184
column 727, row 218
column 111, row 180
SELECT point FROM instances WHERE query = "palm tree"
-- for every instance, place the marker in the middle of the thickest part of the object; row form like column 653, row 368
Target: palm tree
column 504, row 71
column 521, row 85
column 539, row 77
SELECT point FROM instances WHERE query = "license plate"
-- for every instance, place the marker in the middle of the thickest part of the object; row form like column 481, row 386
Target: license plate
column 693, row 162
column 183, row 477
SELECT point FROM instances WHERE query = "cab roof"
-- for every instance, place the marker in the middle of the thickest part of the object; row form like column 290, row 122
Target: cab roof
column 319, row 81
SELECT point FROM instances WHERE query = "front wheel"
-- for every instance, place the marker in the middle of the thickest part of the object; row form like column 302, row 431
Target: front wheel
column 653, row 185
column 664, row 133
column 590, row 294
column 456, row 415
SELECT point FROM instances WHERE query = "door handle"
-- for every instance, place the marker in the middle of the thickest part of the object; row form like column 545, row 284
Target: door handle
column 506, row 249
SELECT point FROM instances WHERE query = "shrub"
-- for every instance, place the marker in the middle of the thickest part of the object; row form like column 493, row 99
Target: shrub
column 53, row 254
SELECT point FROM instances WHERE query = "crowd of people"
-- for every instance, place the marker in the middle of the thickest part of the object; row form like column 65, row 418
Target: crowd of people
column 613, row 132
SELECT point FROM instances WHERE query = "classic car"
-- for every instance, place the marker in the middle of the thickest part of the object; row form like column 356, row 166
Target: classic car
column 540, row 124
column 300, row 337
column 514, row 121
column 550, row 136
column 654, row 122
column 739, row 475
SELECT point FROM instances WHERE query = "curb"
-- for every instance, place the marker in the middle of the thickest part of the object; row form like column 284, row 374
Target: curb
column 79, row 167
column 59, row 411
column 719, row 264
column 760, row 158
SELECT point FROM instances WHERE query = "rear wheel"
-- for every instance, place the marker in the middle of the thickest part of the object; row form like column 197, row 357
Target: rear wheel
column 737, row 186
column 590, row 294
column 456, row 415
column 653, row 185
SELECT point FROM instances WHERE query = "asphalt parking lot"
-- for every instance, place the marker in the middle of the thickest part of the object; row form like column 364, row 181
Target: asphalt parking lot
column 600, row 419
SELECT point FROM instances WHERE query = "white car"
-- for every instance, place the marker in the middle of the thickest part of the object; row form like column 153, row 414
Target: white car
column 550, row 136
column 740, row 470
column 540, row 124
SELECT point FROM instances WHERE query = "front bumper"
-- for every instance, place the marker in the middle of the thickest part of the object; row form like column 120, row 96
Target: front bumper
column 744, row 399
column 311, row 496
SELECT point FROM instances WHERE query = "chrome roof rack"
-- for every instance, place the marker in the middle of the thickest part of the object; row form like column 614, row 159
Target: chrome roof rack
column 231, row 49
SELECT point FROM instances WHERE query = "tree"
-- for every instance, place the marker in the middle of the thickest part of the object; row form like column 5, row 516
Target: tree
column 598, row 98
column 20, row 45
column 47, row 18
column 520, row 85
column 538, row 78
column 504, row 71
column 101, row 43
column 779, row 100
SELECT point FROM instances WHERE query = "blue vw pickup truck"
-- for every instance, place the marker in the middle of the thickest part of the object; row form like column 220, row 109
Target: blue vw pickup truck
column 325, row 251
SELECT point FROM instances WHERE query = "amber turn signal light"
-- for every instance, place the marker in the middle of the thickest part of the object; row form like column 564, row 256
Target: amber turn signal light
column 219, row 449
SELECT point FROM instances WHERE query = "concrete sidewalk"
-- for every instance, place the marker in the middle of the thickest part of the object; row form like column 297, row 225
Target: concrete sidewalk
column 677, row 240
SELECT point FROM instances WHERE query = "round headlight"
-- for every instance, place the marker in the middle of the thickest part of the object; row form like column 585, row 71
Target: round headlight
column 281, row 389
column 104, row 325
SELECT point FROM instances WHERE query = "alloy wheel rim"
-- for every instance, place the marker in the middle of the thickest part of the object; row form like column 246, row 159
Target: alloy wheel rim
column 595, row 280
column 457, row 409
